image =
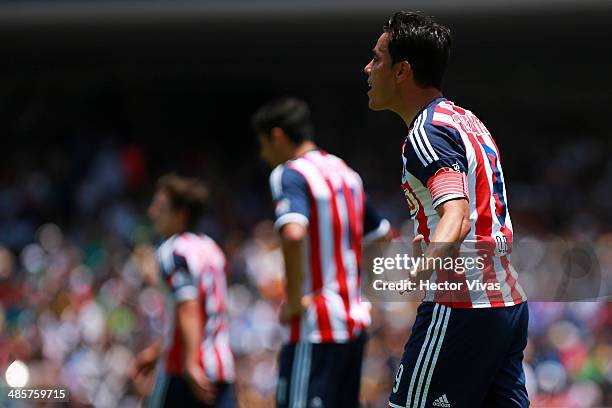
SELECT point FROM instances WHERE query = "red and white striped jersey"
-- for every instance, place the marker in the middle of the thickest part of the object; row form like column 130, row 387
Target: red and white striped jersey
column 193, row 267
column 450, row 154
column 320, row 191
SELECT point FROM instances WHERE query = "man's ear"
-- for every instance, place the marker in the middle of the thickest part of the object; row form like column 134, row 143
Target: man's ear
column 403, row 71
column 278, row 135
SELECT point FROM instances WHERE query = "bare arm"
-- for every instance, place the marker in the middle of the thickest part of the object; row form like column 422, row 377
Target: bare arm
column 146, row 359
column 292, row 237
column 189, row 322
column 454, row 222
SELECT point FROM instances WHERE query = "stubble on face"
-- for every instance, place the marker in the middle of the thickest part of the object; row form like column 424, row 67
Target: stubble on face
column 380, row 75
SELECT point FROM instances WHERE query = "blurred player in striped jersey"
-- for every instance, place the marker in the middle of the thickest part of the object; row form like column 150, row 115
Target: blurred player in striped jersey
column 196, row 368
column 323, row 217
column 466, row 347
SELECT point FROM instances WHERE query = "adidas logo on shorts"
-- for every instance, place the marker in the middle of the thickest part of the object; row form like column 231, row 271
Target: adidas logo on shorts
column 442, row 402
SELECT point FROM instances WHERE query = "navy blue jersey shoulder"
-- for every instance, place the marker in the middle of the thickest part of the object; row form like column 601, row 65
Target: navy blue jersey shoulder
column 180, row 275
column 289, row 192
column 430, row 147
column 176, row 273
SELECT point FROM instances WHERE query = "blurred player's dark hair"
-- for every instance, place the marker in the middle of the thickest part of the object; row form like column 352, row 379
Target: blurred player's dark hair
column 187, row 194
column 422, row 42
column 290, row 114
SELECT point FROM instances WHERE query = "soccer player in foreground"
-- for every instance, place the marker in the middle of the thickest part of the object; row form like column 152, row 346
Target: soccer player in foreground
column 323, row 218
column 466, row 348
column 197, row 367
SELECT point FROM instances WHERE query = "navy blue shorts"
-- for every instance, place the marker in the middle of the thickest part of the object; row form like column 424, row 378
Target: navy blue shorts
column 463, row 358
column 320, row 375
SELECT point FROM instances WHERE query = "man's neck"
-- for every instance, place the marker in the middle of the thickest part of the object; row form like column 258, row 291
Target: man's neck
column 174, row 232
column 414, row 101
column 303, row 148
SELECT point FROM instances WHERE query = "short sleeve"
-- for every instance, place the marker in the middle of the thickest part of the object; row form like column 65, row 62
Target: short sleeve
column 374, row 226
column 179, row 279
column 290, row 195
column 435, row 154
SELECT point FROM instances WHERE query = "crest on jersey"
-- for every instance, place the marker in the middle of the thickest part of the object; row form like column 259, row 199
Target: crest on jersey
column 413, row 204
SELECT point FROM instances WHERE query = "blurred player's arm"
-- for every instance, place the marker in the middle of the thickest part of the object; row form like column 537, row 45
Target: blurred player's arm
column 292, row 211
column 375, row 228
column 454, row 223
column 292, row 242
column 143, row 367
column 146, row 359
column 448, row 189
column 189, row 323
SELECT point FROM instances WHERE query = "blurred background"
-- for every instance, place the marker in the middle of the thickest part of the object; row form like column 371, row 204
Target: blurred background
column 98, row 99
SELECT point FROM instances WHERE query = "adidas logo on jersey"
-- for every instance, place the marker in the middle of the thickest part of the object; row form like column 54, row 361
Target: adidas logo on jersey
column 442, row 402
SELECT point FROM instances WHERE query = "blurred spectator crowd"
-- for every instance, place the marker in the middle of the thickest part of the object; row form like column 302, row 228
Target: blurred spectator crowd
column 75, row 306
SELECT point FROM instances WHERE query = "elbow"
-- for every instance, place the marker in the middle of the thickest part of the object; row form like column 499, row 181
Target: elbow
column 466, row 224
column 187, row 309
column 462, row 214
column 292, row 234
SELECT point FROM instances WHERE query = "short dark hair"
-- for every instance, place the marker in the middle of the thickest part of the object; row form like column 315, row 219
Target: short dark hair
column 422, row 42
column 290, row 114
column 187, row 194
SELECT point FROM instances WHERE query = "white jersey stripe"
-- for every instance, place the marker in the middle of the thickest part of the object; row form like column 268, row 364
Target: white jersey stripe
column 414, row 144
column 275, row 181
column 500, row 275
column 322, row 197
column 210, row 360
column 307, row 278
column 420, row 135
column 426, row 138
column 430, row 348
column 444, row 118
column 435, row 357
column 226, row 354
column 295, row 371
column 313, row 178
column 417, row 366
column 353, row 185
column 305, row 376
column 348, row 258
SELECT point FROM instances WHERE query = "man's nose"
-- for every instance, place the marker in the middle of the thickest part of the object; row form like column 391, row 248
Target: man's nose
column 368, row 68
